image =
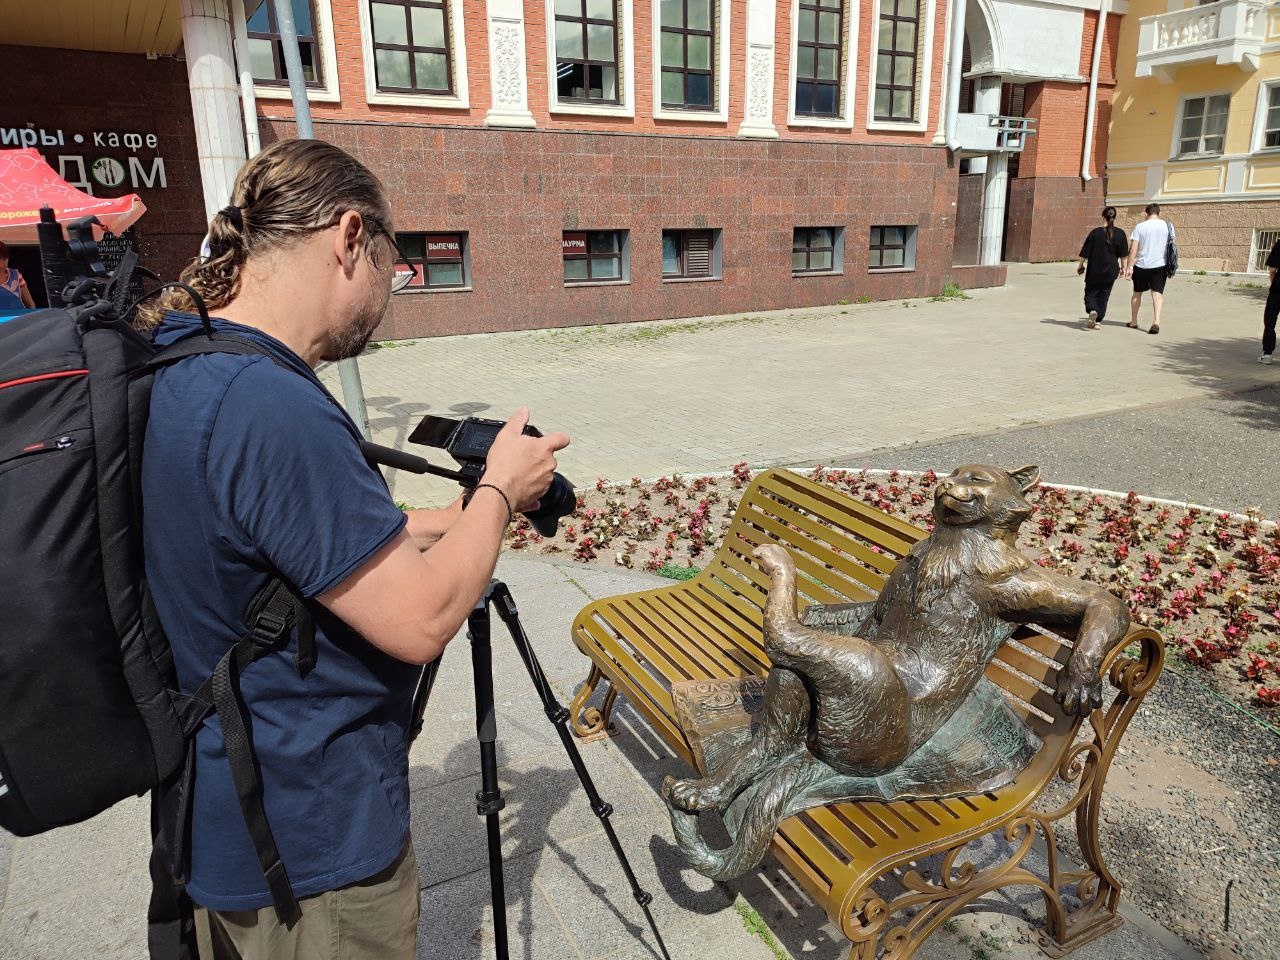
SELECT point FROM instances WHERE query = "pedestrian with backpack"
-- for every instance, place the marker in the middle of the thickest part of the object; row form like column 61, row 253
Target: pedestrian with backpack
column 1152, row 260
column 252, row 477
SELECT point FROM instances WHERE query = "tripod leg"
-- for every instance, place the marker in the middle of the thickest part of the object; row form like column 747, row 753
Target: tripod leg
column 559, row 717
column 489, row 798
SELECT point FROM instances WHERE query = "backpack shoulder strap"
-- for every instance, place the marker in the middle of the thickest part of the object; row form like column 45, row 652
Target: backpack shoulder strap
column 218, row 343
column 272, row 613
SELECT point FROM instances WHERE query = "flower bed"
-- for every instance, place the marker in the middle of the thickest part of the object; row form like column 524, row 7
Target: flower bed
column 1210, row 582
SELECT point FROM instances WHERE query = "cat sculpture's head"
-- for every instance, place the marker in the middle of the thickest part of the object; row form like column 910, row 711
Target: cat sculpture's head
column 976, row 494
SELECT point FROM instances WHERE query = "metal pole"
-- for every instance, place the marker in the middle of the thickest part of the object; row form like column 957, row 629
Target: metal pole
column 348, row 370
column 248, row 103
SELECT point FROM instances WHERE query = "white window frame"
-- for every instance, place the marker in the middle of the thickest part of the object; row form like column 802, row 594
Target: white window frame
column 461, row 100
column 924, row 57
column 626, row 107
column 328, row 92
column 1259, row 137
column 852, row 14
column 1176, row 138
column 721, row 10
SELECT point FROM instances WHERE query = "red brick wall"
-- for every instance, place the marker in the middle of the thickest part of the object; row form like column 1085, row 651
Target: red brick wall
column 1049, row 217
column 514, row 192
column 353, row 105
column 82, row 93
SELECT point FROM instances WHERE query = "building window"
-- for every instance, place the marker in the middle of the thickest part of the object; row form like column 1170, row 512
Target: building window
column 1271, row 122
column 895, row 98
column 411, row 46
column 593, row 256
column 1204, row 125
column 266, row 52
column 816, row 250
column 688, row 50
column 587, row 50
column 819, row 58
column 439, row 260
column 892, row 248
column 690, row 254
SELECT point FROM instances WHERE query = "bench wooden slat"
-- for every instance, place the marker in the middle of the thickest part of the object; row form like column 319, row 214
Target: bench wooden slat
column 843, row 510
column 780, row 520
column 747, row 657
column 844, row 589
column 625, row 618
column 673, row 628
column 750, row 613
column 855, row 579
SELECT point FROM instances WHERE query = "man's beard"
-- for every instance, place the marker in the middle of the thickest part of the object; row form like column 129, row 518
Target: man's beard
column 351, row 339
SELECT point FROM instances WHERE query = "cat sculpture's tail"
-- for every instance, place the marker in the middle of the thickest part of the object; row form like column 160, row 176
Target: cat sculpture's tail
column 778, row 795
column 779, row 792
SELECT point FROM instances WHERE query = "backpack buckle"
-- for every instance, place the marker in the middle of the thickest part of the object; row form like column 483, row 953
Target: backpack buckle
column 269, row 628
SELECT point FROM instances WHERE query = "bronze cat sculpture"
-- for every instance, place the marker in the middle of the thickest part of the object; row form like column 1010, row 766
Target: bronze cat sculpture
column 889, row 701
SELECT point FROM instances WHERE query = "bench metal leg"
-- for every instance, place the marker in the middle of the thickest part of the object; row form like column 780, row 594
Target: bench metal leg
column 590, row 722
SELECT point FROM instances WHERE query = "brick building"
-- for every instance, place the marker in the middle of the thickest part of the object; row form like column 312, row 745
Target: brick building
column 560, row 162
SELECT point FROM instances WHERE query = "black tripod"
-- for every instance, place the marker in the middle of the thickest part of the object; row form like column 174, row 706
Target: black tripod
column 489, row 799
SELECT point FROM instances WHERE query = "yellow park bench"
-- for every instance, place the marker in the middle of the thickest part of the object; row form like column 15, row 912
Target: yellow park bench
column 709, row 628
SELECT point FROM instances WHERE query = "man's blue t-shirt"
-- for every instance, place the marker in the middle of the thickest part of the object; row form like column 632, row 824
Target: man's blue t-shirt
column 249, row 467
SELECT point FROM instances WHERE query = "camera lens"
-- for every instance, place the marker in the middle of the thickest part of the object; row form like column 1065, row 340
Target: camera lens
column 559, row 501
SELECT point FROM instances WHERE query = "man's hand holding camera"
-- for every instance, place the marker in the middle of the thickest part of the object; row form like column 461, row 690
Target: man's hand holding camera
column 521, row 466
column 413, row 596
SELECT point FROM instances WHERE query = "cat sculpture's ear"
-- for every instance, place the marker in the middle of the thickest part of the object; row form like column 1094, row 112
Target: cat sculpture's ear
column 1025, row 477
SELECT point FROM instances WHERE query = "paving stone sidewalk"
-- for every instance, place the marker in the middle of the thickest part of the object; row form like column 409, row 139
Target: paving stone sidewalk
column 81, row 891
column 821, row 385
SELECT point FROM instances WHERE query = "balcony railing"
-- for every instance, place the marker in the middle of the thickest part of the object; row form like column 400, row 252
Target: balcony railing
column 990, row 133
column 1226, row 32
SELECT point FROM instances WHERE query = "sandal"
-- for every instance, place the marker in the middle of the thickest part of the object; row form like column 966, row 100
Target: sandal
column 1155, row 329
column 1132, row 326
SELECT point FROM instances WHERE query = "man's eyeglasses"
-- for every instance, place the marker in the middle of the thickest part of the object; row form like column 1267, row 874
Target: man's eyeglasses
column 403, row 270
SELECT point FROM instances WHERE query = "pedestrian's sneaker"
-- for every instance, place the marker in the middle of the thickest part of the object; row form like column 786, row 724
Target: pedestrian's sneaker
column 1265, row 358
column 1093, row 319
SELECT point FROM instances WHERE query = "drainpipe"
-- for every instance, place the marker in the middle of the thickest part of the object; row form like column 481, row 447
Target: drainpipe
column 957, row 62
column 940, row 135
column 1091, row 110
column 248, row 102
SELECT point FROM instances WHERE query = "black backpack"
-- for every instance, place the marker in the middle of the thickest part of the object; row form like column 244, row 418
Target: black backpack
column 1171, row 252
column 92, row 712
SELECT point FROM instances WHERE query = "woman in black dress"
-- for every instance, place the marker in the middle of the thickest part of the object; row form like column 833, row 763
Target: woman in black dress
column 1100, row 258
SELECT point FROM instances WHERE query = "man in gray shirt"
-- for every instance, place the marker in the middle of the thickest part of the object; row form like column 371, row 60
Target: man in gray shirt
column 1146, row 264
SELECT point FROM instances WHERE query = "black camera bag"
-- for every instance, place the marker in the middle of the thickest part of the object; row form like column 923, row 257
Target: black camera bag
column 91, row 709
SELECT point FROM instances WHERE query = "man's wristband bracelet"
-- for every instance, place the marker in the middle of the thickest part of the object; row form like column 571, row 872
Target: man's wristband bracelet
column 511, row 514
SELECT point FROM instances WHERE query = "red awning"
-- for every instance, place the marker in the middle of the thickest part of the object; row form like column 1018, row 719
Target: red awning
column 28, row 183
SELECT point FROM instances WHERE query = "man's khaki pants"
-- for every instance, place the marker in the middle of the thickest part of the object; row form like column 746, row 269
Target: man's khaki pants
column 375, row 919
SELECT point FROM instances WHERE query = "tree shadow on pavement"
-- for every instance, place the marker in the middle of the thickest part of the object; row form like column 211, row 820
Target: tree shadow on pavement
column 1229, row 366
column 391, row 413
column 1249, row 291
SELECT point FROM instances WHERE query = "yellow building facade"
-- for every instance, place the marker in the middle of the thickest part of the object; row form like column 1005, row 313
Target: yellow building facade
column 1195, row 126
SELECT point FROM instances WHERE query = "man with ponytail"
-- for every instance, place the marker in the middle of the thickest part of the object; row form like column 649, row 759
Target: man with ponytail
column 252, row 472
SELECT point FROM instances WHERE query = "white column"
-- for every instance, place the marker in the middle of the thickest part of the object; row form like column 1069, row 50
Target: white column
column 508, row 77
column 994, row 194
column 215, row 97
column 986, row 99
column 757, row 120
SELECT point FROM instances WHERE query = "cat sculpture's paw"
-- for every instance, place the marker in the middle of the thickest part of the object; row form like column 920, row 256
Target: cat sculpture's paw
column 691, row 795
column 772, row 558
